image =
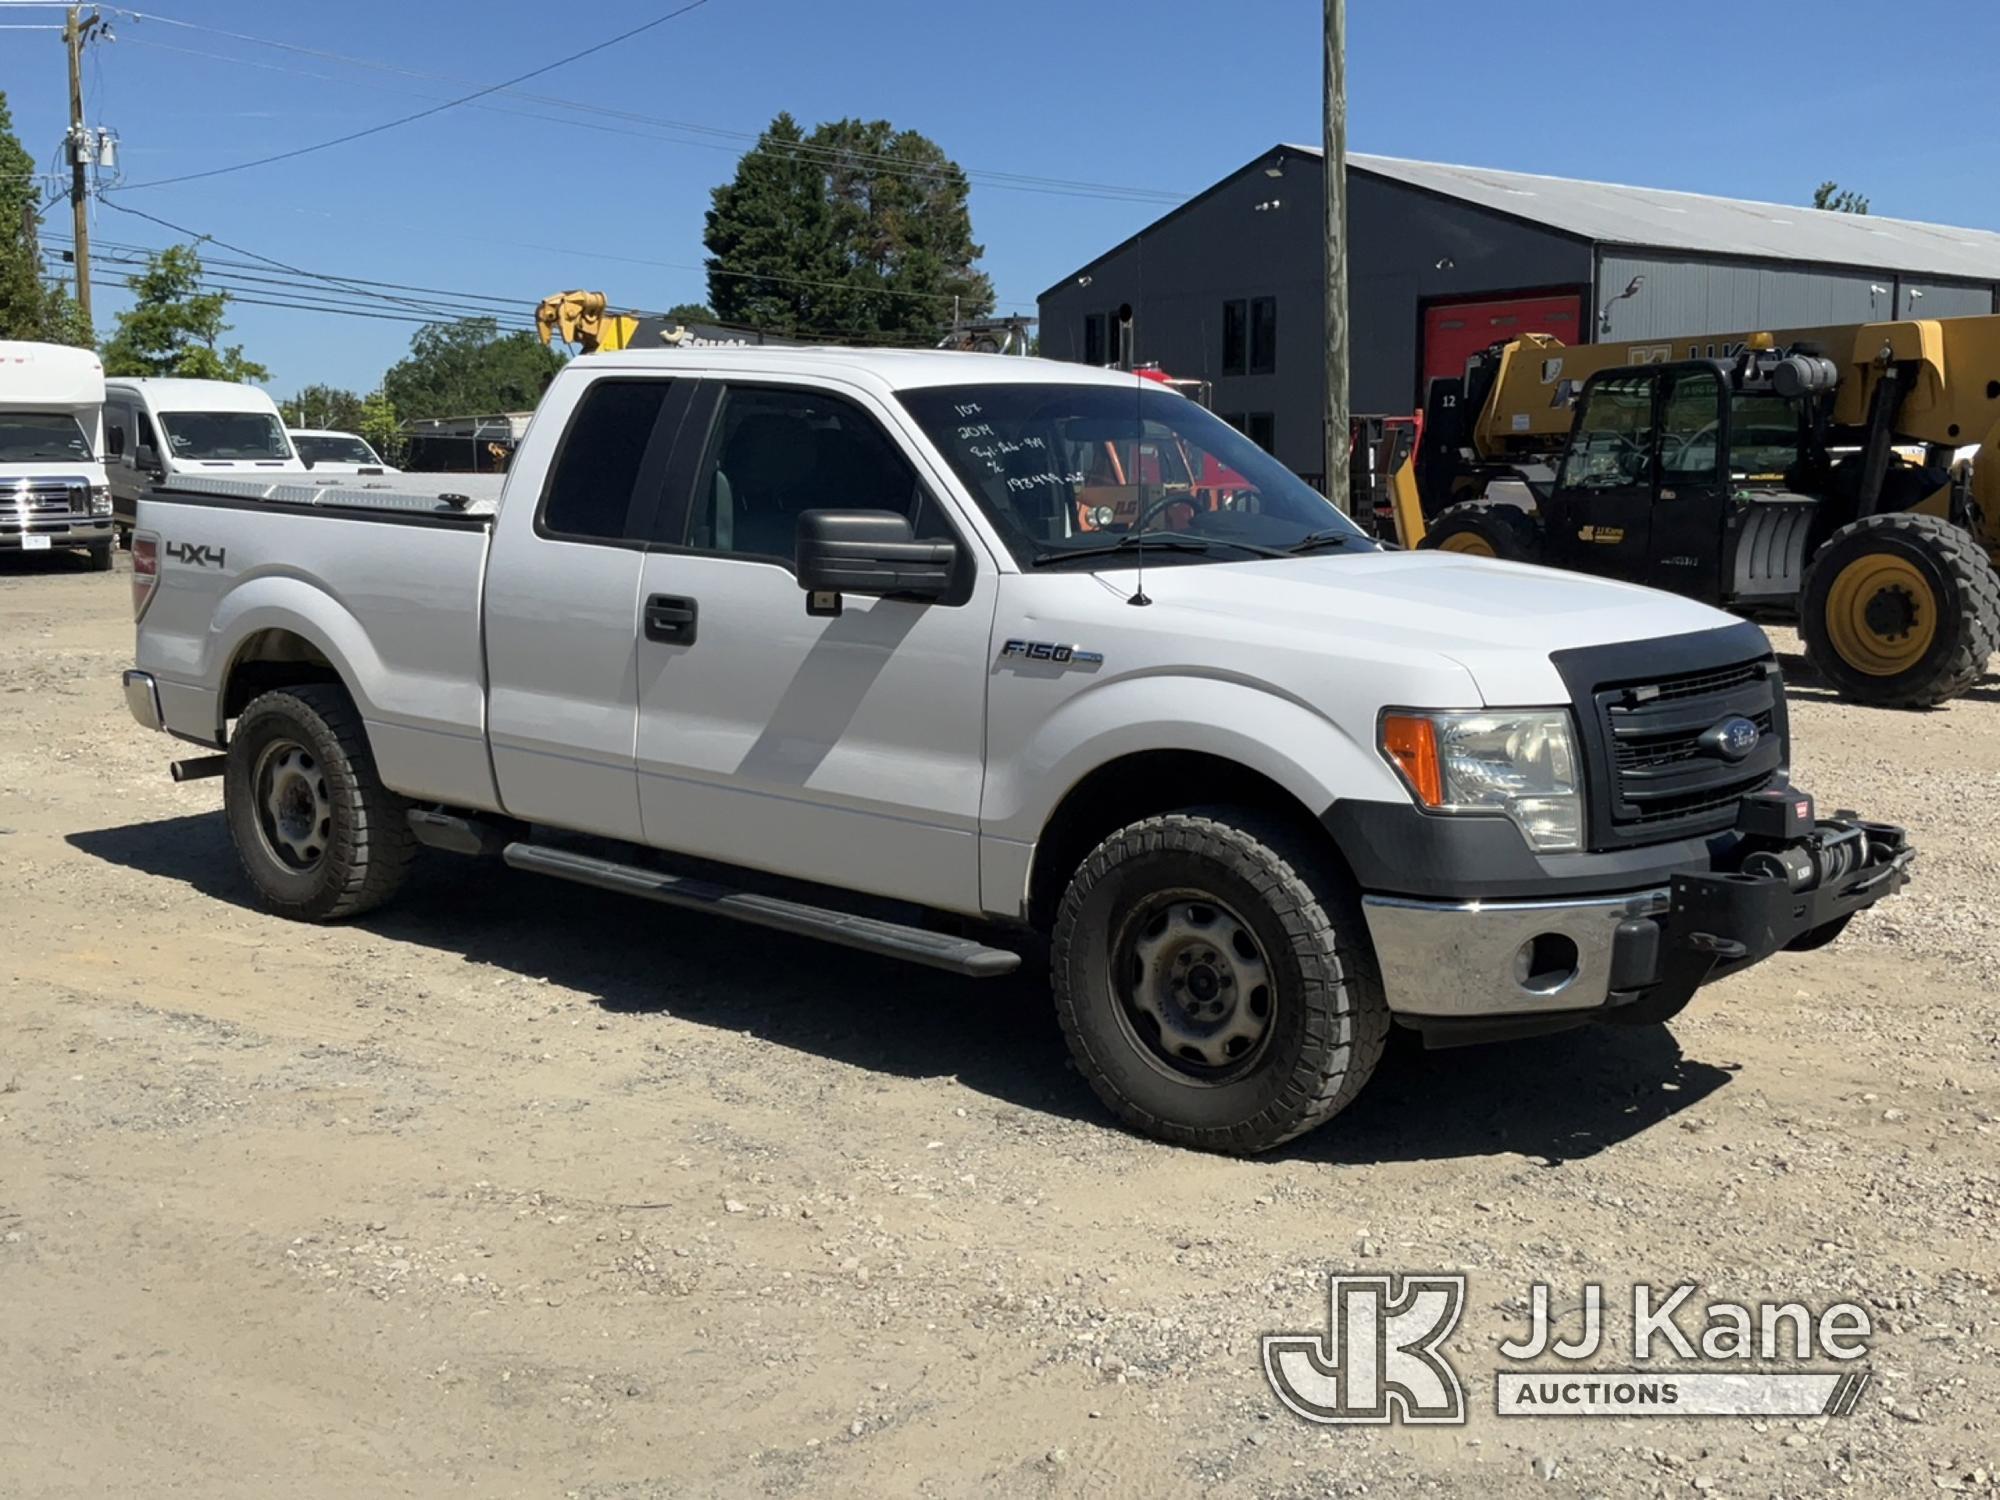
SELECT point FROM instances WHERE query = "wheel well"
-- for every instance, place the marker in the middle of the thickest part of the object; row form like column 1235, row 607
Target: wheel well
column 268, row 659
column 1145, row 785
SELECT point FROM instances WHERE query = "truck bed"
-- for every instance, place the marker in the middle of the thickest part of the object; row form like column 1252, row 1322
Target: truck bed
column 391, row 577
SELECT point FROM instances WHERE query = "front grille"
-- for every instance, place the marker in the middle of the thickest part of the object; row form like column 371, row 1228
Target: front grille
column 39, row 499
column 1663, row 782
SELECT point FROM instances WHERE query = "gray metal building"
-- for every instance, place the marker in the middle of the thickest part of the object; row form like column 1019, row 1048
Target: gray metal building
column 1445, row 260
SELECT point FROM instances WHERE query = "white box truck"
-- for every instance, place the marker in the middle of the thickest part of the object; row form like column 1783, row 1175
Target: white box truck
column 53, row 493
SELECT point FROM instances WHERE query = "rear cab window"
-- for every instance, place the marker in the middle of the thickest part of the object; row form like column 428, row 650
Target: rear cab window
column 607, row 475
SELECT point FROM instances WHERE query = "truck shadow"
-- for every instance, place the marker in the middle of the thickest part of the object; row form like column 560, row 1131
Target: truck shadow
column 1554, row 1099
column 1805, row 684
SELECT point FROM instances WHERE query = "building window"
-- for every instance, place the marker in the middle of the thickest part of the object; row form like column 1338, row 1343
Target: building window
column 1093, row 340
column 1263, row 336
column 1261, row 428
column 1235, row 336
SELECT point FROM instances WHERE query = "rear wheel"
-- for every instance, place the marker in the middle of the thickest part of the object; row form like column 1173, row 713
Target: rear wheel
column 1486, row 528
column 1900, row 611
column 318, row 834
column 1215, row 984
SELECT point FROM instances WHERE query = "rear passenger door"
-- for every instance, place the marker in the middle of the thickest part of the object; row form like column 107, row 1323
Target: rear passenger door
column 848, row 750
column 562, row 603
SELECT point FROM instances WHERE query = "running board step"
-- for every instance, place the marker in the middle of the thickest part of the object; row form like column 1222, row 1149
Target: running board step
column 937, row 950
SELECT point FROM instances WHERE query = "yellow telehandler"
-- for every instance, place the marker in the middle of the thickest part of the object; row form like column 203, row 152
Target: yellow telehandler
column 1846, row 478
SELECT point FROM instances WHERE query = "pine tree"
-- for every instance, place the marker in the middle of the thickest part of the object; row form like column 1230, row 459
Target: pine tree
column 858, row 230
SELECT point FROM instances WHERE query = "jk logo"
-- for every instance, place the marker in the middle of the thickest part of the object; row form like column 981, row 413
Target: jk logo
column 1378, row 1359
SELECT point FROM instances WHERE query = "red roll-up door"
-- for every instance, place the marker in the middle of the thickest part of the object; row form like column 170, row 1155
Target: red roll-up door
column 1454, row 331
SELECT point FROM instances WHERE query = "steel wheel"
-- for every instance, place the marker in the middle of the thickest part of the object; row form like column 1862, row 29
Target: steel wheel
column 1881, row 615
column 1469, row 543
column 294, row 813
column 1193, row 986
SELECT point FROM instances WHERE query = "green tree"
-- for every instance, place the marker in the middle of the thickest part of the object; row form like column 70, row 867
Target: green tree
column 379, row 426
column 1831, row 196
column 323, row 406
column 29, row 308
column 468, row 368
column 173, row 326
column 689, row 312
column 858, row 230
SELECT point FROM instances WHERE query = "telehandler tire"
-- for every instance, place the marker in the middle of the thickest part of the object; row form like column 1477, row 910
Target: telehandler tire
column 318, row 834
column 1486, row 528
column 1900, row 611
column 1215, row 981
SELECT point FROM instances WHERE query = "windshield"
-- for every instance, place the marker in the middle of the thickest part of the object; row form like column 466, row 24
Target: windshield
column 336, row 449
column 224, row 434
column 1078, row 469
column 29, row 435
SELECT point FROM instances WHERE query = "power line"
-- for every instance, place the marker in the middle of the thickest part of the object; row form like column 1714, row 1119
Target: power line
column 422, row 114
column 892, row 164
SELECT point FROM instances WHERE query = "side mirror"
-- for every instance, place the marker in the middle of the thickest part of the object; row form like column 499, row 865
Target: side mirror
column 868, row 552
column 147, row 461
column 303, row 459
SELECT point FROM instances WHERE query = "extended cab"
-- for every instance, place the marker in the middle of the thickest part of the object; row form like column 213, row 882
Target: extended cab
column 833, row 616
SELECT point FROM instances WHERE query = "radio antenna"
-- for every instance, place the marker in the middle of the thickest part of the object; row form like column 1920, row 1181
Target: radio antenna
column 1128, row 358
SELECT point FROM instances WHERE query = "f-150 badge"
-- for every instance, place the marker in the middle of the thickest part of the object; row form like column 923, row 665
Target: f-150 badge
column 1050, row 651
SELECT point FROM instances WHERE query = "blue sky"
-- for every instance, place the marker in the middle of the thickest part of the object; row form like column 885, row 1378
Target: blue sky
column 1746, row 99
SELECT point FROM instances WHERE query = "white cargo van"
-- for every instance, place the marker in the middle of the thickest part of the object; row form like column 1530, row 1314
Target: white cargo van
column 52, row 484
column 159, row 428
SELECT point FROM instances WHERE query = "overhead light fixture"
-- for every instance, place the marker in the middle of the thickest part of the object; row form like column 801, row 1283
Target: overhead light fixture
column 1446, row 263
column 1632, row 289
column 1277, row 166
column 1083, row 280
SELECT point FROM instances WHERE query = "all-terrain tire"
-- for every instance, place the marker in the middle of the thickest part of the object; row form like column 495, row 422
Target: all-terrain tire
column 1327, row 1019
column 1486, row 528
column 361, row 830
column 100, row 557
column 1932, row 572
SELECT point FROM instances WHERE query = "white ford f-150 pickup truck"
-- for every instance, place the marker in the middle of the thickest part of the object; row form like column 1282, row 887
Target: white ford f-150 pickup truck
column 976, row 653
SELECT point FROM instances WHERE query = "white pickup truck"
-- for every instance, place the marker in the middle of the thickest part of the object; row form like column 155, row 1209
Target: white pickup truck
column 963, row 642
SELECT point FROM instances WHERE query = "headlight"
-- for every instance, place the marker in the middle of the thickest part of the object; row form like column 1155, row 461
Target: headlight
column 100, row 500
column 1103, row 516
column 1521, row 762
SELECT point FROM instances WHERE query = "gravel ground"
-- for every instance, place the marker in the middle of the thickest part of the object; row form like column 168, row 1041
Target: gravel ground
column 518, row 1189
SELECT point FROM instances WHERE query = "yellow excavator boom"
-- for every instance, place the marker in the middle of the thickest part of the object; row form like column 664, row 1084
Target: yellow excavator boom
column 584, row 319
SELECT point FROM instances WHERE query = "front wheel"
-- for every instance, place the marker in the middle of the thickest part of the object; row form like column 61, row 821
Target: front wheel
column 1900, row 610
column 1214, row 981
column 100, row 557
column 318, row 834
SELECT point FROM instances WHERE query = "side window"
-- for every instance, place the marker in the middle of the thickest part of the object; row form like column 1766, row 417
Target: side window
column 1613, row 443
column 1691, row 426
column 1263, row 336
column 591, row 485
column 1235, row 336
column 775, row 454
column 117, row 419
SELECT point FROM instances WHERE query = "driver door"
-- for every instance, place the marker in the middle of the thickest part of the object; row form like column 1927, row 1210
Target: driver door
column 847, row 749
column 1600, row 514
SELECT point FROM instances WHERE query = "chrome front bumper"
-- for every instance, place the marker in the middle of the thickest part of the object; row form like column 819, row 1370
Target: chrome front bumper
column 142, row 697
column 1456, row 960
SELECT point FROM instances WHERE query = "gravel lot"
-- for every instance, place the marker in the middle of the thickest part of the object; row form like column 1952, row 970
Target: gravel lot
column 518, row 1189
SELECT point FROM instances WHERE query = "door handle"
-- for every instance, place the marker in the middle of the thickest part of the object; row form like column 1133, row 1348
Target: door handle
column 671, row 619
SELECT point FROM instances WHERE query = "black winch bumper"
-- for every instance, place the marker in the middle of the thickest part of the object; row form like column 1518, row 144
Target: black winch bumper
column 1487, row 970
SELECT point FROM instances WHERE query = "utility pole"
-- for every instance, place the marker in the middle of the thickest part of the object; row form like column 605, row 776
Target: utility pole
column 1336, row 256
column 80, row 153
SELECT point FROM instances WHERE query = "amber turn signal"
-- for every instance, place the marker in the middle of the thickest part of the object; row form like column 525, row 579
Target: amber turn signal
column 1411, row 742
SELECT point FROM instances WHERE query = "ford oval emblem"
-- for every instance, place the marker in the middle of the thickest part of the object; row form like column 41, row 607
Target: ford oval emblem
column 1732, row 739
